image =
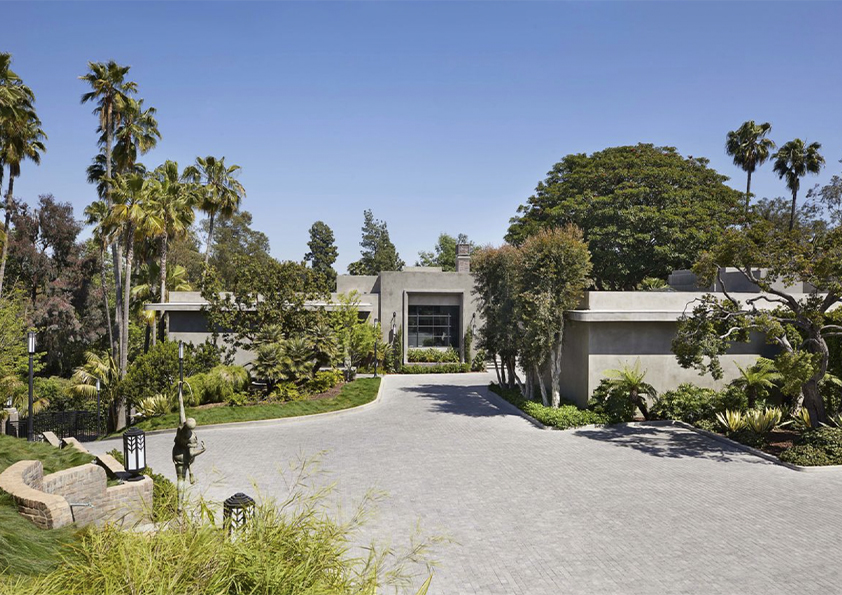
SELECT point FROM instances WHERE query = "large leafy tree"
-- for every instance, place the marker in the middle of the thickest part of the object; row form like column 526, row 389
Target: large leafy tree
column 796, row 323
column 235, row 241
column 793, row 161
column 750, row 149
column 378, row 252
column 444, row 253
column 220, row 192
column 644, row 210
column 322, row 252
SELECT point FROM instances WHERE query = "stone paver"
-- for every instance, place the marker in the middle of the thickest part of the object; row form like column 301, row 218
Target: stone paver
column 626, row 510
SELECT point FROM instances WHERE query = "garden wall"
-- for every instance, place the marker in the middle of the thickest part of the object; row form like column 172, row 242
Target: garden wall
column 79, row 494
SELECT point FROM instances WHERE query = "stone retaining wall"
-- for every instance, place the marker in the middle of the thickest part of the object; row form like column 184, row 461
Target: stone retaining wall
column 79, row 494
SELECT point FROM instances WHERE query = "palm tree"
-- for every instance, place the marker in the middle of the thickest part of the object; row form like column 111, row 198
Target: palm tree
column 749, row 148
column 137, row 134
column 756, row 380
column 131, row 215
column 21, row 138
column 630, row 379
column 102, row 368
column 110, row 90
column 795, row 160
column 173, row 203
column 96, row 214
column 221, row 192
column 324, row 344
column 15, row 97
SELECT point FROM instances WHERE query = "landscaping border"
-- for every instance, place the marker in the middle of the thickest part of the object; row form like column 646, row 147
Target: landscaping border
column 275, row 420
column 671, row 422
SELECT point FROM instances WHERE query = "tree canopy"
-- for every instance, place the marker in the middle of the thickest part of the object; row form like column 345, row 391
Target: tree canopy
column 444, row 252
column 234, row 241
column 378, row 251
column 322, row 252
column 645, row 210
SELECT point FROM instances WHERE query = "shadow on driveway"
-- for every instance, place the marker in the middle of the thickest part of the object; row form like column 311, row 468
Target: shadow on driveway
column 458, row 400
column 665, row 441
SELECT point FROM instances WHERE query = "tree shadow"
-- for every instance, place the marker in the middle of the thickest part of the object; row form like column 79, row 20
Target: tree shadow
column 469, row 401
column 669, row 442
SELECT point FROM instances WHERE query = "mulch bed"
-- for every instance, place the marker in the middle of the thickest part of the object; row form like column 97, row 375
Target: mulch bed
column 779, row 440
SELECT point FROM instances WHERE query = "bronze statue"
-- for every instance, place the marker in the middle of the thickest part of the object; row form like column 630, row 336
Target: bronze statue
column 185, row 450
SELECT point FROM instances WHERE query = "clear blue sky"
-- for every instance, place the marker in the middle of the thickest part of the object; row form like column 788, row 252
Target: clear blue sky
column 438, row 116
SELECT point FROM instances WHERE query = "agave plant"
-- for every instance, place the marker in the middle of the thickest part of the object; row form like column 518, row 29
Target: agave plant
column 763, row 422
column 800, row 420
column 732, row 421
column 154, row 406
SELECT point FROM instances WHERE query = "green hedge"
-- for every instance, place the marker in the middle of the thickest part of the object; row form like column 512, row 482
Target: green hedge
column 814, row 448
column 432, row 355
column 437, row 369
column 565, row 417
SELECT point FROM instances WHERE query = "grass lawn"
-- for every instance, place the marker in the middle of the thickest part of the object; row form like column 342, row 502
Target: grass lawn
column 353, row 394
column 24, row 548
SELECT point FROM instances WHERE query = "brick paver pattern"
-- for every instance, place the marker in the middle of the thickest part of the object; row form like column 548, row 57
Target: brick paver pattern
column 621, row 510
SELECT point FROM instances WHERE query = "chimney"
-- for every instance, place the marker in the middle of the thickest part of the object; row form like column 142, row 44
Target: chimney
column 463, row 258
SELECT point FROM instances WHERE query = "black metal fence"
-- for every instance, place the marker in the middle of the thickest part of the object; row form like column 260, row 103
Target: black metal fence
column 81, row 425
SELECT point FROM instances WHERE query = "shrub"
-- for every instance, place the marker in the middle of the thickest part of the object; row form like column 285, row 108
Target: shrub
column 688, row 403
column 612, row 402
column 57, row 391
column 194, row 388
column 748, row 437
column 324, row 381
column 763, row 422
column 822, row 446
column 439, row 369
column 731, row 421
column 155, row 406
column 478, row 363
column 285, row 391
column 216, row 386
column 238, row 400
column 565, row 417
column 433, row 355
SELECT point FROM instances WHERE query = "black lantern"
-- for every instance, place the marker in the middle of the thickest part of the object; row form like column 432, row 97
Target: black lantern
column 376, row 341
column 237, row 511
column 30, row 432
column 134, row 453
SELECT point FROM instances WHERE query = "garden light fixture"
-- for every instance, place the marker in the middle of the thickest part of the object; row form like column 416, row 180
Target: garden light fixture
column 97, row 406
column 376, row 341
column 134, row 453
column 237, row 511
column 30, row 431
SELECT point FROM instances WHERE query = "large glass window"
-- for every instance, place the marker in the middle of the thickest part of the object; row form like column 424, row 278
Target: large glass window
column 433, row 326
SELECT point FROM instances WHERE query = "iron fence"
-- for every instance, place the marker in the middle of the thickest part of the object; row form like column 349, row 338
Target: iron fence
column 81, row 425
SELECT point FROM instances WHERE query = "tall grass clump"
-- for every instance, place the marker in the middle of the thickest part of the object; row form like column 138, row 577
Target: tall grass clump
column 290, row 546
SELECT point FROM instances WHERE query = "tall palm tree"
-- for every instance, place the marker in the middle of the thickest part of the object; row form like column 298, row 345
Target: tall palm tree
column 756, row 380
column 631, row 380
column 15, row 97
column 137, row 134
column 750, row 149
column 132, row 216
column 96, row 214
column 173, row 203
column 102, row 368
column 221, row 192
column 21, row 138
column 793, row 161
column 110, row 90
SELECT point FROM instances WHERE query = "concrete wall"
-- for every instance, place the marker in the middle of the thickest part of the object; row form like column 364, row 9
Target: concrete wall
column 62, row 498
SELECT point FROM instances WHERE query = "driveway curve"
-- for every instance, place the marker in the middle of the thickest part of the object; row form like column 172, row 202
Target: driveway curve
column 623, row 510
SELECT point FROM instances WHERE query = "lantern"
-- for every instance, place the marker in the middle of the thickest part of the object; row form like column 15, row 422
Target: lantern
column 134, row 453
column 237, row 511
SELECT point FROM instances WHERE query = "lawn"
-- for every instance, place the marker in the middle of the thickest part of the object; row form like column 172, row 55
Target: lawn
column 24, row 548
column 353, row 394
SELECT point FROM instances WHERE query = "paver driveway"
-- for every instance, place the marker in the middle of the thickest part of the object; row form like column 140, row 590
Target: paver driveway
column 621, row 510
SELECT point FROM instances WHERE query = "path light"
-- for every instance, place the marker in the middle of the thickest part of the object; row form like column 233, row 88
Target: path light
column 394, row 325
column 97, row 406
column 30, row 432
column 376, row 341
column 134, row 453
column 180, row 366
column 237, row 511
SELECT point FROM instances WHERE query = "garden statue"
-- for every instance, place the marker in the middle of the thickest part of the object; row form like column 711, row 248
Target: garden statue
column 185, row 450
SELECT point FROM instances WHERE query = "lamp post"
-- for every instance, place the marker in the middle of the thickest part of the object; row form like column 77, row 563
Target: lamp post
column 134, row 452
column 376, row 341
column 97, row 407
column 30, row 432
column 237, row 511
column 180, row 368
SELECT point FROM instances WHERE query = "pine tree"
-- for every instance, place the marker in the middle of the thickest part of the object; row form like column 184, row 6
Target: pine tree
column 378, row 251
column 322, row 252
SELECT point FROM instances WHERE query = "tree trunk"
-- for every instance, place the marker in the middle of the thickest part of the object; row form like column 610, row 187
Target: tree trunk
column 164, row 318
column 541, row 386
column 555, row 371
column 104, row 274
column 748, row 192
column 127, row 287
column 7, row 221
column 640, row 401
column 530, row 385
column 497, row 370
column 115, row 246
column 814, row 403
column 752, row 397
column 792, row 211
column 210, row 239
column 503, row 380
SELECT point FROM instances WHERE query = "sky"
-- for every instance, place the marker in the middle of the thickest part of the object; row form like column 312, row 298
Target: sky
column 438, row 116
